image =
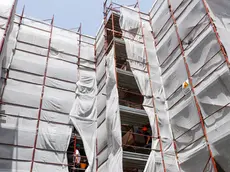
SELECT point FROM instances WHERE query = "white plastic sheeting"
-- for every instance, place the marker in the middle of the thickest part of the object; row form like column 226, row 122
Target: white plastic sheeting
column 214, row 97
column 139, row 59
column 7, row 10
column 109, row 143
column 21, row 103
column 113, row 121
column 44, row 148
column 176, row 108
column 130, row 21
column 84, row 114
column 209, row 74
column 91, row 98
column 23, row 148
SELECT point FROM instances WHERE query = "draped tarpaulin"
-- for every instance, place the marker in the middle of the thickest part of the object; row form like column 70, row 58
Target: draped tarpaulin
column 83, row 114
column 150, row 85
column 39, row 133
column 110, row 154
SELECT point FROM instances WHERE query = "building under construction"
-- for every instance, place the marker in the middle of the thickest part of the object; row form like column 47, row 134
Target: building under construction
column 149, row 92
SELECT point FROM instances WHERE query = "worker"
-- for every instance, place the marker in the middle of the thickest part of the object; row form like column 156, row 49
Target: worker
column 78, row 156
column 148, row 140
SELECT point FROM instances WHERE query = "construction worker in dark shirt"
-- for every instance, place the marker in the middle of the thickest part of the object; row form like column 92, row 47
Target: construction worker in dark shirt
column 148, row 140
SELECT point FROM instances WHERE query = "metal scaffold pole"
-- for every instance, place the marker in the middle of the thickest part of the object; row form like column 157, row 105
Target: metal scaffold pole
column 148, row 68
column 42, row 95
column 192, row 88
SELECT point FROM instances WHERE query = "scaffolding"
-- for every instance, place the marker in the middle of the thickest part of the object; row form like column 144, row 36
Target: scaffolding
column 149, row 93
column 185, row 29
column 37, row 46
column 132, row 114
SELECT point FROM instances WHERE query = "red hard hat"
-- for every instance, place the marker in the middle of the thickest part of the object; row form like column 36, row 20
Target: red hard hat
column 144, row 128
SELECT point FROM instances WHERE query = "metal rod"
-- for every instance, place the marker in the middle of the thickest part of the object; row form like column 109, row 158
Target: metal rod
column 42, row 95
column 7, row 70
column 192, row 87
column 148, row 68
column 74, row 155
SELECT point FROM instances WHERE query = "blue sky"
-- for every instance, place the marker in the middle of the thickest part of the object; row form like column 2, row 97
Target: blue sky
column 69, row 13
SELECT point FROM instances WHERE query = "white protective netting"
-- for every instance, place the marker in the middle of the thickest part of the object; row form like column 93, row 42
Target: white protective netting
column 154, row 103
column 109, row 125
column 176, row 108
column 41, row 64
column 46, row 91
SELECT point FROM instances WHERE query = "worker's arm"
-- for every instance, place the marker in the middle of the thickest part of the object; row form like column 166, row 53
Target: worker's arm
column 148, row 140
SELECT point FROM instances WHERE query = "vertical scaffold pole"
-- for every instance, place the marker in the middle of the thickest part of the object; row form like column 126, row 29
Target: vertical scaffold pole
column 148, row 68
column 42, row 95
column 192, row 87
